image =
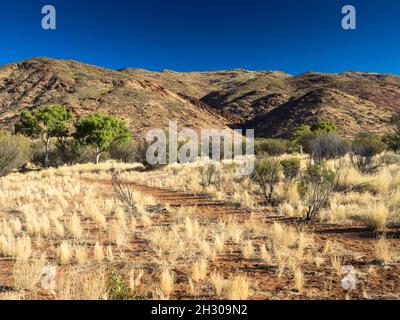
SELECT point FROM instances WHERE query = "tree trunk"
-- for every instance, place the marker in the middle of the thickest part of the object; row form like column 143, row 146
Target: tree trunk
column 46, row 156
column 270, row 193
column 309, row 214
column 98, row 154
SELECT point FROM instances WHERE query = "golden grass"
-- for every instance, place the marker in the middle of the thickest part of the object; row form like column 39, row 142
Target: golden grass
column 375, row 216
column 166, row 283
column 27, row 274
column 78, row 284
column 199, row 270
column 237, row 288
column 218, row 283
column 85, row 231
column 385, row 251
column 299, row 280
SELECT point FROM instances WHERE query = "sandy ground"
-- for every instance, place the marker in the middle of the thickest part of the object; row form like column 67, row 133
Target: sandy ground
column 374, row 281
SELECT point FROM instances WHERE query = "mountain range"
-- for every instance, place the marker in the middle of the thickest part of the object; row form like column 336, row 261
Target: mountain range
column 271, row 102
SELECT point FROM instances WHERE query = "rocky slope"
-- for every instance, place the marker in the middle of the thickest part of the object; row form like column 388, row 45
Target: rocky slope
column 84, row 89
column 271, row 102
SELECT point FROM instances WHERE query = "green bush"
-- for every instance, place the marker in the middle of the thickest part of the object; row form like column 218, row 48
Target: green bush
column 304, row 134
column 393, row 140
column 315, row 189
column 15, row 152
column 117, row 288
column 267, row 176
column 291, row 168
column 324, row 126
column 364, row 149
column 271, row 147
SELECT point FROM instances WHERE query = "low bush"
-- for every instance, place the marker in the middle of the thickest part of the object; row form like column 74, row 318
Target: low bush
column 39, row 155
column 71, row 152
column 128, row 153
column 364, row 149
column 15, row 152
column 291, row 168
column 327, row 146
column 210, row 174
column 315, row 189
column 267, row 176
column 117, row 288
column 271, row 147
column 389, row 158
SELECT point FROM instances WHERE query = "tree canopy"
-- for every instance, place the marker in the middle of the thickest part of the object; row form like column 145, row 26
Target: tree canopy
column 45, row 123
column 101, row 131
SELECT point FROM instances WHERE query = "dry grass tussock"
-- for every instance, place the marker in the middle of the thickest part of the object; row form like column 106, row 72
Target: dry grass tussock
column 86, row 232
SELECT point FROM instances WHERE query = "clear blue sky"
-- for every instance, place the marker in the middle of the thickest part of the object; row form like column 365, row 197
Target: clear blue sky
column 196, row 35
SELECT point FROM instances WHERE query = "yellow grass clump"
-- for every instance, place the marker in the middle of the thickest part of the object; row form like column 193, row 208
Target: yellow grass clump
column 237, row 288
column 384, row 250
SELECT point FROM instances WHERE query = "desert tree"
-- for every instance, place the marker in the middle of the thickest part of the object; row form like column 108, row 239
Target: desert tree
column 45, row 123
column 301, row 136
column 304, row 134
column 315, row 188
column 101, row 132
column 267, row 176
column 291, row 168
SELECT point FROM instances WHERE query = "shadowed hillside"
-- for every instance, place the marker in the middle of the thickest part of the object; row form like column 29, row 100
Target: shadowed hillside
column 271, row 102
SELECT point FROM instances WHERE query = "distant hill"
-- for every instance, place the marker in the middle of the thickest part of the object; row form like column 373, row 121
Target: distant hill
column 274, row 102
column 271, row 102
column 84, row 89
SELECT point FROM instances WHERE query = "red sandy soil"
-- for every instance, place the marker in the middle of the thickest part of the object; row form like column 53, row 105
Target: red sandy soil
column 374, row 280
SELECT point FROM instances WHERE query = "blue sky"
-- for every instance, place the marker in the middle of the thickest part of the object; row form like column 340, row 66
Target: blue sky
column 196, row 35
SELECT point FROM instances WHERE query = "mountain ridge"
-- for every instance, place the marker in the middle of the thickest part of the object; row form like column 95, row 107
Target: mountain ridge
column 271, row 102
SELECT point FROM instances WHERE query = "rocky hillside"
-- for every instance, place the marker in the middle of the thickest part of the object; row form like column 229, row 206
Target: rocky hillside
column 274, row 103
column 84, row 89
column 271, row 102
